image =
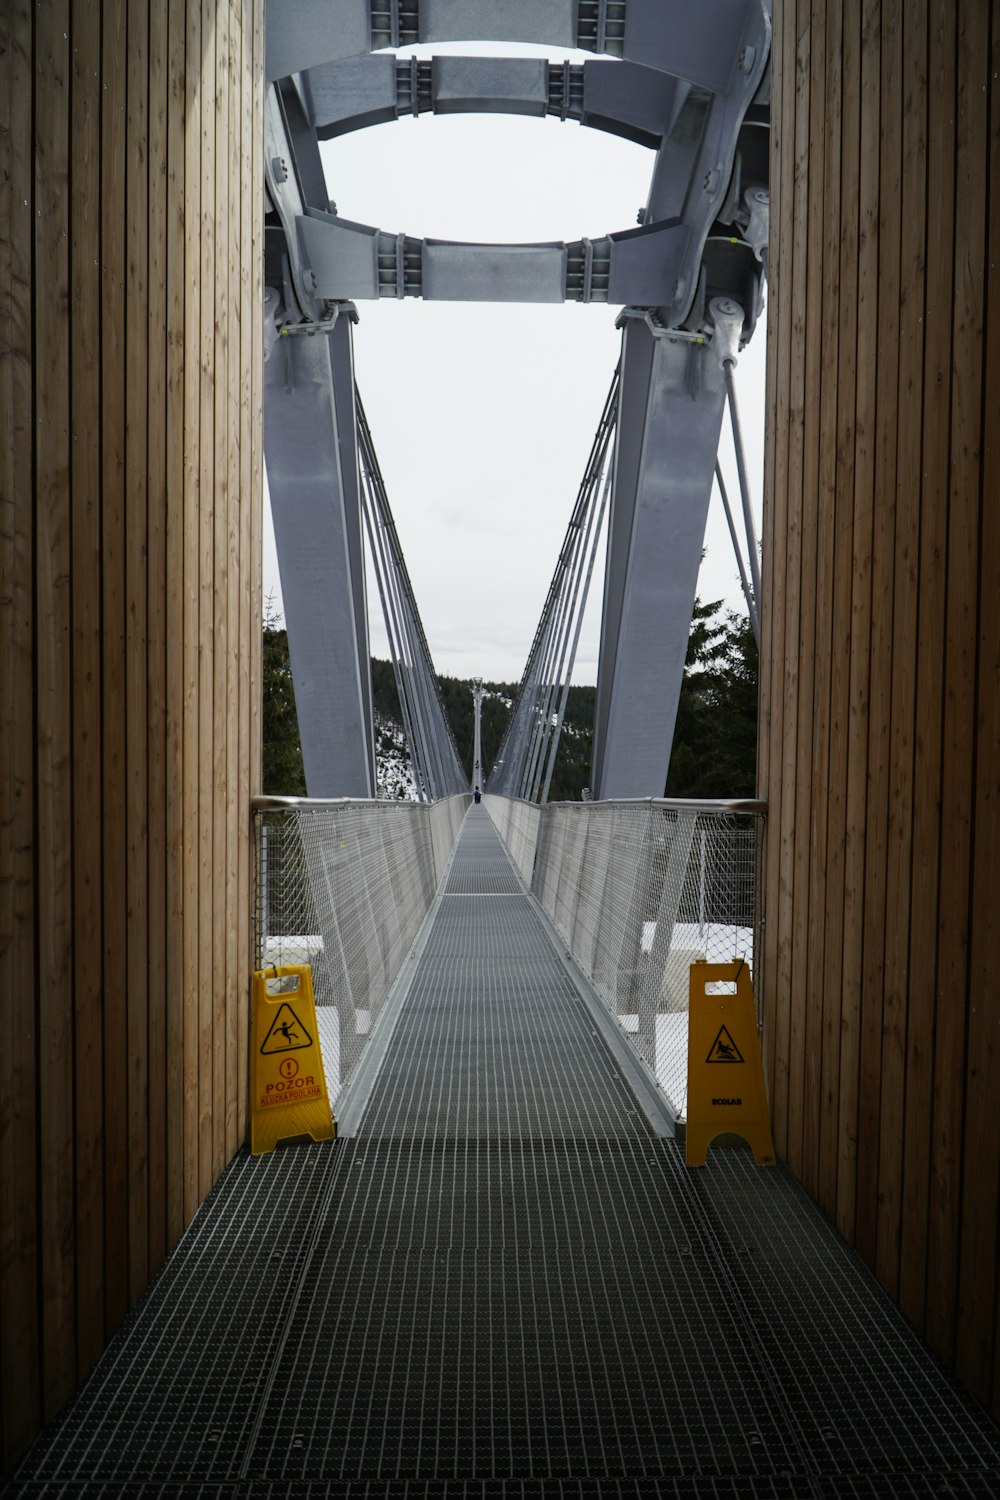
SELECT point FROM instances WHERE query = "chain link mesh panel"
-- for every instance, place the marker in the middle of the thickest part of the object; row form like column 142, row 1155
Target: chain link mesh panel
column 639, row 891
column 517, row 824
column 345, row 887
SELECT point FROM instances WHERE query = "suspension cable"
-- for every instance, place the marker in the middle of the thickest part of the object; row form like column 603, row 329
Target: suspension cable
column 526, row 759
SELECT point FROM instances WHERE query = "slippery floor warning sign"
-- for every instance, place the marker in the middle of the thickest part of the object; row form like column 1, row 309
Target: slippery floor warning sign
column 726, row 1093
column 724, row 1049
column 288, row 1085
column 286, row 1033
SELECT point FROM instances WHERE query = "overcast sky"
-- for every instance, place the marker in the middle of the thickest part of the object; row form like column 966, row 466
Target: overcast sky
column 483, row 415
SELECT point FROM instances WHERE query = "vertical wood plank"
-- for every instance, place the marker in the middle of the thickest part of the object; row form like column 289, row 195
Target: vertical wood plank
column 257, row 400
column 206, row 618
column 806, row 1031
column 19, row 1236
column 156, row 638
column 904, row 636
column 843, row 524
column 989, row 653
column 191, row 746
column 234, row 968
column 798, row 103
column 972, row 51
column 786, row 1105
column 219, row 595
column 116, row 1278
column 247, row 213
column 85, row 324
column 136, row 539
column 770, row 431
column 257, row 417
column 176, row 916
column 919, row 1127
column 860, row 620
column 978, row 1342
column 823, row 1000
column 766, row 695
column 54, row 702
column 768, row 707
column 882, row 621
column 776, row 1032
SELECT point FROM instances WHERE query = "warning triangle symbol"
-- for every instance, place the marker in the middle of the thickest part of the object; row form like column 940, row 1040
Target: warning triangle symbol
column 724, row 1049
column 287, row 1033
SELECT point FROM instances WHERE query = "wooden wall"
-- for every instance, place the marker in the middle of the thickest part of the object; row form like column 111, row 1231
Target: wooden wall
column 130, row 485
column 880, row 726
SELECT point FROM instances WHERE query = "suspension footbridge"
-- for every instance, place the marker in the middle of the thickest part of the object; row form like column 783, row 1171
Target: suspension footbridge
column 501, row 1278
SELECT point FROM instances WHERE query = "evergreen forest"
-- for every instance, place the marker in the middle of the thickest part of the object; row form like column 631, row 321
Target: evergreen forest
column 715, row 739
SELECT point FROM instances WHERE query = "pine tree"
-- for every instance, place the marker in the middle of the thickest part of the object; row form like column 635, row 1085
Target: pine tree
column 715, row 738
column 282, row 771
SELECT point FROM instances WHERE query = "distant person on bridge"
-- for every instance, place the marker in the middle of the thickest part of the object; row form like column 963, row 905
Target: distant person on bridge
column 476, row 795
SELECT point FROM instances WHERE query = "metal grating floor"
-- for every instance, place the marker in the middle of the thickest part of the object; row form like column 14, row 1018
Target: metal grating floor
column 506, row 1285
column 480, row 865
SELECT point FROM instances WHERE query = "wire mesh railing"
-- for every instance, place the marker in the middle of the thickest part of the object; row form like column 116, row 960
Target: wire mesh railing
column 344, row 886
column 517, row 824
column 639, row 891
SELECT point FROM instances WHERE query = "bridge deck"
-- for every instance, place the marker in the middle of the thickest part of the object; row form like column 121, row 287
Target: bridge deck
column 506, row 1283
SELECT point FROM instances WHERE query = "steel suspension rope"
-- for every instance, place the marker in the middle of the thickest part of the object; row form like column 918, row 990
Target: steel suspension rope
column 380, row 566
column 561, row 712
column 741, row 469
column 573, row 611
column 396, row 632
column 528, row 719
column 446, row 739
column 744, row 581
column 527, row 752
column 432, row 744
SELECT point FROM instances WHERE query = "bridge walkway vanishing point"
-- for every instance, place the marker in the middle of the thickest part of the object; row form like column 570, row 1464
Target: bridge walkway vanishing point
column 507, row 1283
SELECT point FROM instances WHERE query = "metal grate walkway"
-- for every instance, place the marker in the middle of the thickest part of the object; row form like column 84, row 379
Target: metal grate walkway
column 507, row 1285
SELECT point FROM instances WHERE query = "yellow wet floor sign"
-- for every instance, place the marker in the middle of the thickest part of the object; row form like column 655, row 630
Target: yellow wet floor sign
column 288, row 1086
column 726, row 1093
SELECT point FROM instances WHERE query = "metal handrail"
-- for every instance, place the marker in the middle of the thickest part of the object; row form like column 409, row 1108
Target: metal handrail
column 753, row 806
column 265, row 803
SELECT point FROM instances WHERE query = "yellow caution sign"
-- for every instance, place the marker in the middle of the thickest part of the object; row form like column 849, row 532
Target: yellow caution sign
column 288, row 1086
column 726, row 1093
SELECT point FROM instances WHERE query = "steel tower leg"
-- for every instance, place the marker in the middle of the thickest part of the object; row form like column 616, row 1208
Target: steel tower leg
column 310, row 439
column 672, row 399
